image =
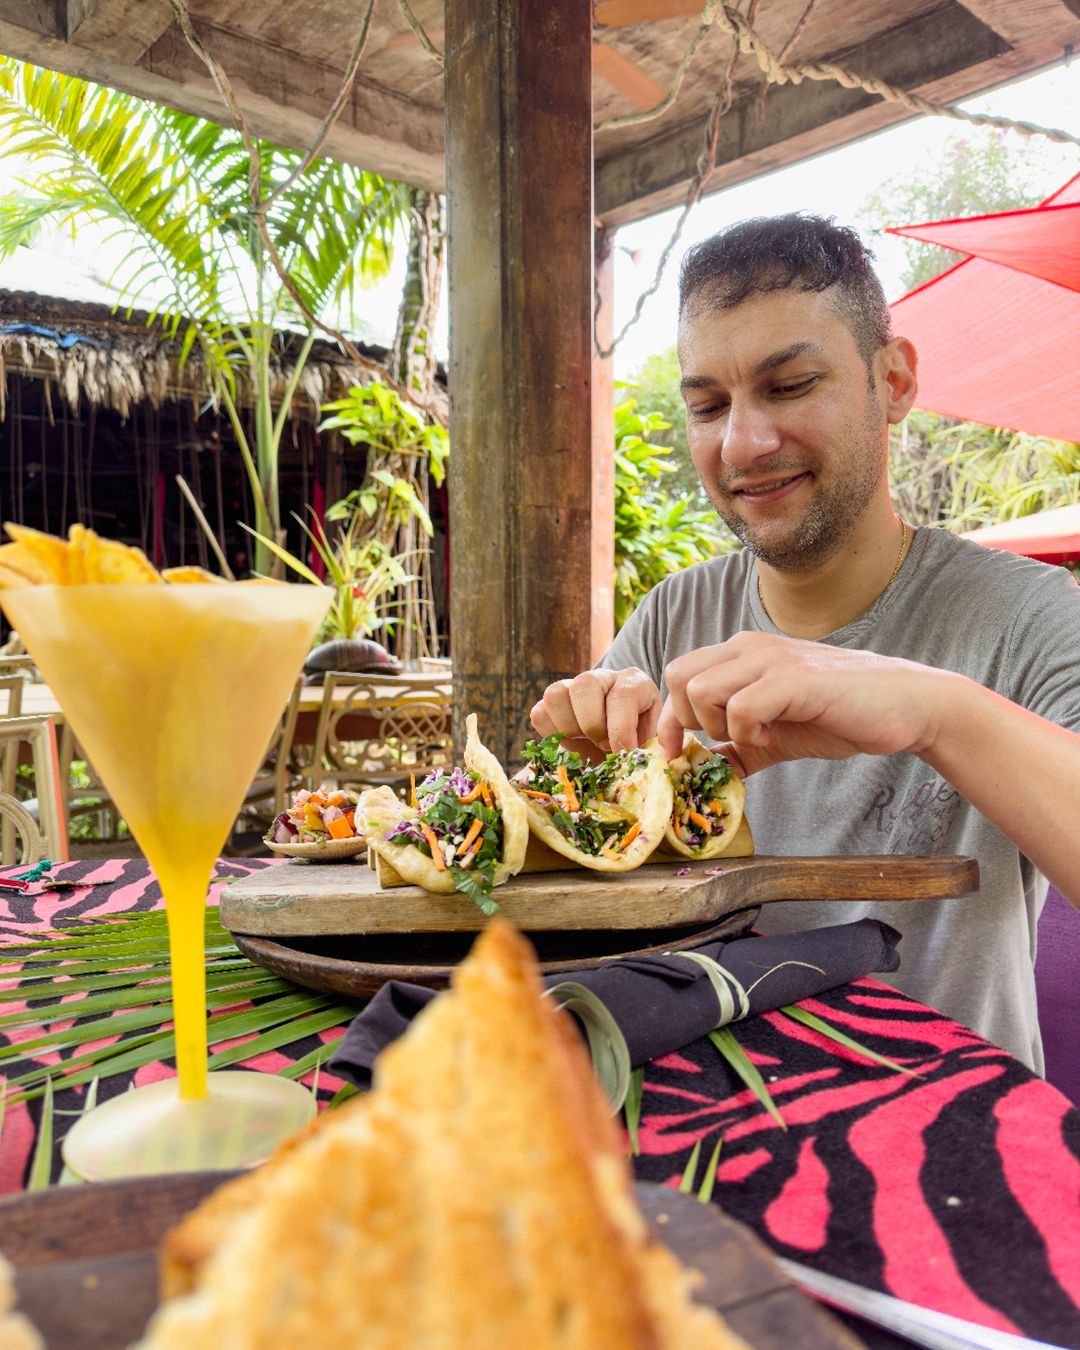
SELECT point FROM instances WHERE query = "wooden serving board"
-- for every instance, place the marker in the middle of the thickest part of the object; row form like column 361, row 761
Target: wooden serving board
column 296, row 899
column 86, row 1270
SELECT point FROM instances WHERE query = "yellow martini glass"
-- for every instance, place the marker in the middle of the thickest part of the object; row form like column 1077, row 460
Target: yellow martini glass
column 174, row 692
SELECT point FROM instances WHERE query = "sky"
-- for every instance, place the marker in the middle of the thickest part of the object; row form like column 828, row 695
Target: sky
column 837, row 184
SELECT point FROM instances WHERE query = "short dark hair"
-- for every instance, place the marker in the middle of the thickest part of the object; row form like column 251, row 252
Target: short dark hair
column 775, row 253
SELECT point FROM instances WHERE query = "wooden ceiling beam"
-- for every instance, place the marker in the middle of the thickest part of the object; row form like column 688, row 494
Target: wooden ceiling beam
column 946, row 56
column 284, row 96
column 1018, row 21
column 125, row 28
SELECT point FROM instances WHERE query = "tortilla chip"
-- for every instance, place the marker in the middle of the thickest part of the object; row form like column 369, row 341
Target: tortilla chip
column 114, row 564
column 10, row 578
column 49, row 552
column 380, row 809
column 15, row 559
column 184, row 576
column 732, row 795
column 646, row 793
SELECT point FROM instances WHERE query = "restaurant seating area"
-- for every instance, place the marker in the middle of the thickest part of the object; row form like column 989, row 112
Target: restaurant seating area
column 349, row 731
column 490, row 856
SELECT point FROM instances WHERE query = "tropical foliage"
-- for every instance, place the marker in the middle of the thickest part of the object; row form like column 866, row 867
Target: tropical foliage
column 962, row 474
column 176, row 190
column 396, row 439
column 656, row 532
column 984, row 170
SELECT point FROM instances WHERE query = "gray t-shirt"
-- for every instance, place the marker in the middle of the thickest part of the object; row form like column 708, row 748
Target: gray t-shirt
column 1009, row 623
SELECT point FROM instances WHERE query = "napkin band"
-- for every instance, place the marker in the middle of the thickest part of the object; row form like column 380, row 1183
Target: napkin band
column 733, row 999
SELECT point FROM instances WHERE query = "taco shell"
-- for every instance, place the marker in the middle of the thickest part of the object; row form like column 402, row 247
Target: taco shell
column 733, row 838
column 380, row 809
column 646, row 794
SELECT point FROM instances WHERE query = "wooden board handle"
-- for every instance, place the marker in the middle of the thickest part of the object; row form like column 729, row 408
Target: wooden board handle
column 874, row 877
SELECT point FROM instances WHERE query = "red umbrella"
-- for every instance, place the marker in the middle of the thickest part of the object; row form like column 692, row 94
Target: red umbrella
column 998, row 334
column 1050, row 536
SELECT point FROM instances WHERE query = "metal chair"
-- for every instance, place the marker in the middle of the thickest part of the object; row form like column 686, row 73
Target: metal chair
column 14, row 671
column 46, row 835
column 279, row 774
column 373, row 732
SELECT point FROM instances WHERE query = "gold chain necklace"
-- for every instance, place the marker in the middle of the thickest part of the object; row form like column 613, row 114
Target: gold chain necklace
column 896, row 569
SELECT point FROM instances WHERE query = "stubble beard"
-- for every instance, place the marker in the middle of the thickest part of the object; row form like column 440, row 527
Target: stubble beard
column 832, row 514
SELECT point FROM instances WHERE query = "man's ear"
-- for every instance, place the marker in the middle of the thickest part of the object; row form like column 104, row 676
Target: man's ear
column 898, row 364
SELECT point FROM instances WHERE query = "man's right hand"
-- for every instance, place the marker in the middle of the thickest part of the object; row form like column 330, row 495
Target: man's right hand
column 614, row 709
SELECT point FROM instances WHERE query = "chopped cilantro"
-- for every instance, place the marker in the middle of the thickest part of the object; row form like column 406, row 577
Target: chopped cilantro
column 477, row 886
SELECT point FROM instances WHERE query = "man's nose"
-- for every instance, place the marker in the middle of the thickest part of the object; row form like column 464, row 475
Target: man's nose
column 749, row 434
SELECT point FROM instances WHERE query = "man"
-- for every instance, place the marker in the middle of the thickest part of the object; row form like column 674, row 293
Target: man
column 887, row 689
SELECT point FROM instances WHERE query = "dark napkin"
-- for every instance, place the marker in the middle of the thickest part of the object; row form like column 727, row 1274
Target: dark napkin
column 662, row 1003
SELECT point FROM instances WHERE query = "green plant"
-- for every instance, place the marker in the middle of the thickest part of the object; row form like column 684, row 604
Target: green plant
column 121, row 1019
column 655, row 534
column 962, row 474
column 177, row 190
column 390, row 506
column 363, row 573
column 376, row 416
column 981, row 171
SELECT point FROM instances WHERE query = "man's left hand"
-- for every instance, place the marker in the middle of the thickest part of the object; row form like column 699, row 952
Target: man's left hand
column 775, row 698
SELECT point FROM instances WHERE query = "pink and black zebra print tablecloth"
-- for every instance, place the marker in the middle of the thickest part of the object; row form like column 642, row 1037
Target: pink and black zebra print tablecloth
column 958, row 1189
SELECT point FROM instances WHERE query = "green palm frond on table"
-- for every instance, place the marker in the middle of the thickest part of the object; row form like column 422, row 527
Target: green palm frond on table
column 120, row 967
column 708, row 1181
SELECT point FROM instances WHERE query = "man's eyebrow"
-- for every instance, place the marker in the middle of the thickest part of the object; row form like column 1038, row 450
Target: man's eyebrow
column 781, row 358
column 770, row 362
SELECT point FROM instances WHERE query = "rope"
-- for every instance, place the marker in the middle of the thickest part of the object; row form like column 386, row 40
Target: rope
column 708, row 18
column 746, row 41
column 733, row 23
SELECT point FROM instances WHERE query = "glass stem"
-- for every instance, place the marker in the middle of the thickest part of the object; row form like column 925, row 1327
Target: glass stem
column 185, row 904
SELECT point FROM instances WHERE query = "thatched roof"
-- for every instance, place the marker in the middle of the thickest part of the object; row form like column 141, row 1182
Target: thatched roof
column 118, row 360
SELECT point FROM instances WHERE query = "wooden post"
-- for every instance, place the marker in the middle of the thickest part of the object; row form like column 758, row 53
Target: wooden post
column 603, row 451
column 519, row 180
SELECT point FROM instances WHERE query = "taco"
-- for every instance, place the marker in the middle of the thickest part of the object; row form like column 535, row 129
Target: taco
column 607, row 816
column 709, row 799
column 464, row 830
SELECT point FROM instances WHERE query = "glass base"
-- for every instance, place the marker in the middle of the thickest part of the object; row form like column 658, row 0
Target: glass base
column 150, row 1130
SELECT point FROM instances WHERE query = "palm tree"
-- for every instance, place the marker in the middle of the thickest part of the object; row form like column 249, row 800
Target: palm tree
column 176, row 189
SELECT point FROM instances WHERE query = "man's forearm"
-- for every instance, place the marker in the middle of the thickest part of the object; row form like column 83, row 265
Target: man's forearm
column 1021, row 771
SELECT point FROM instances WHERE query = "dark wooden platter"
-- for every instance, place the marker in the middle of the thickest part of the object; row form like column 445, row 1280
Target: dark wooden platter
column 298, row 899
column 86, row 1266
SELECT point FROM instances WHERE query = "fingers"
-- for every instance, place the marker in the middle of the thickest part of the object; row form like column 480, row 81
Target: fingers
column 633, row 710
column 669, row 730
column 712, row 690
column 613, row 709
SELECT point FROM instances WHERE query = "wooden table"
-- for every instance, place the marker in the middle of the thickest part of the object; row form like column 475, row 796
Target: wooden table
column 38, row 700
column 955, row 1186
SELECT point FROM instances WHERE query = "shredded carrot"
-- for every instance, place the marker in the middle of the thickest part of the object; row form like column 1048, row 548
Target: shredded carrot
column 717, row 807
column 485, row 791
column 412, row 792
column 630, row 835
column 474, row 830
column 472, row 796
column 540, row 796
column 436, row 852
column 612, row 854
column 571, row 796
column 700, row 820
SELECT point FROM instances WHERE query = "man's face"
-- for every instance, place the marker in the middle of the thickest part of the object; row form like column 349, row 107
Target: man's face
column 786, row 430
